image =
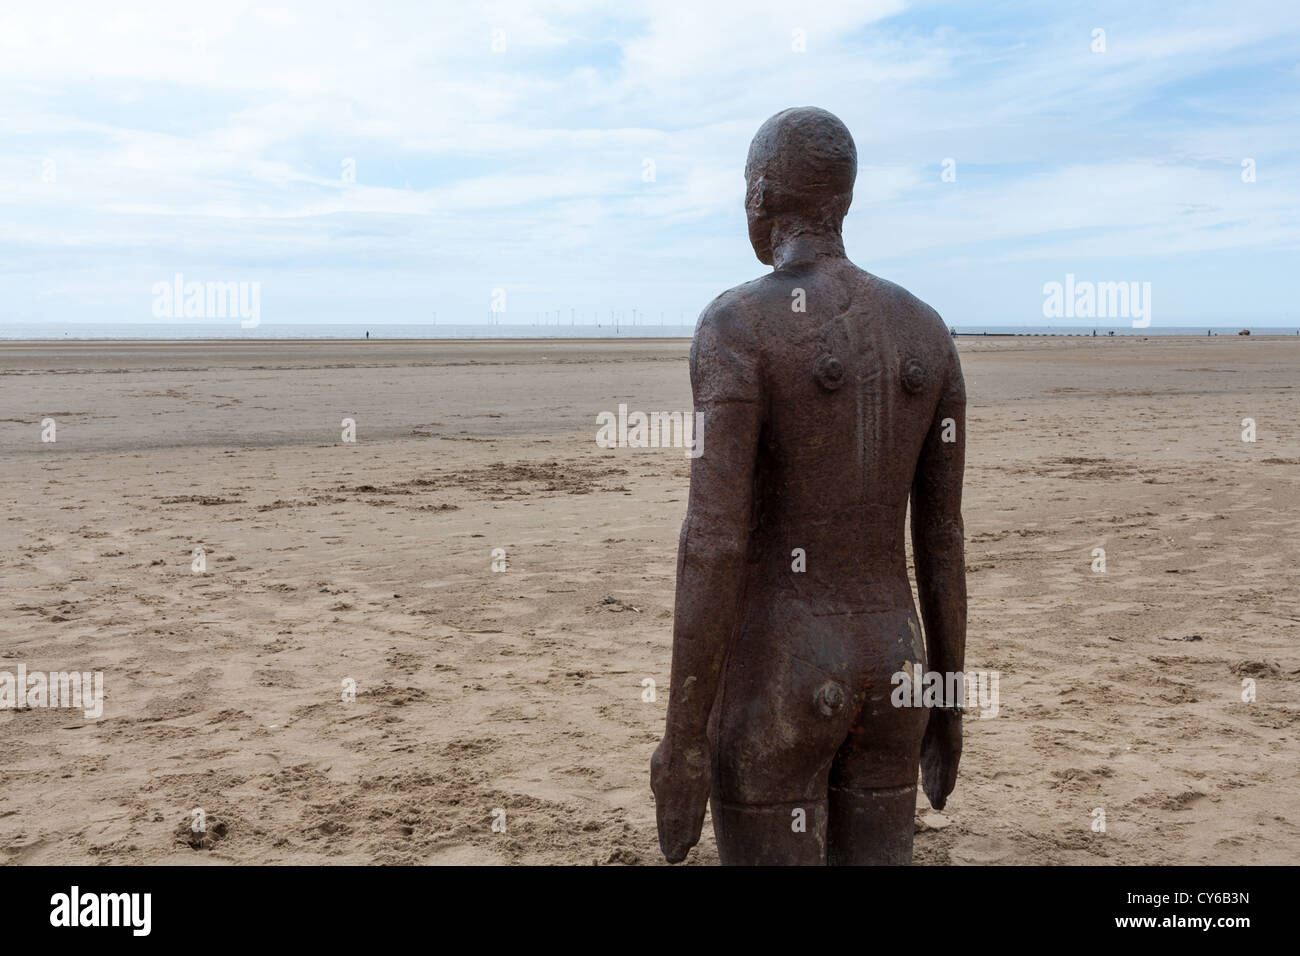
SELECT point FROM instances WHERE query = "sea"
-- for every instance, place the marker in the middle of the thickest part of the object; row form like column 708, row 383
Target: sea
column 47, row 331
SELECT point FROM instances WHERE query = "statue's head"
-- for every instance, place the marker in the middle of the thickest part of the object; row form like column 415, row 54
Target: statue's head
column 799, row 175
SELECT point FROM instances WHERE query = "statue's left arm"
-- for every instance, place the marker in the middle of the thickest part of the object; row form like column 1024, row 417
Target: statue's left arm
column 938, row 549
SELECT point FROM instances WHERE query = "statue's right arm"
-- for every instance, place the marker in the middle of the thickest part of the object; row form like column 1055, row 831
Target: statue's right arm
column 714, row 540
column 711, row 561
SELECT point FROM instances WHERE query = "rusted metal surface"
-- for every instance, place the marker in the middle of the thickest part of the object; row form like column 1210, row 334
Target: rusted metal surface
column 831, row 398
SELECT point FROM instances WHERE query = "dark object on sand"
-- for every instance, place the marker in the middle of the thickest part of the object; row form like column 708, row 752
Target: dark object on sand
column 830, row 396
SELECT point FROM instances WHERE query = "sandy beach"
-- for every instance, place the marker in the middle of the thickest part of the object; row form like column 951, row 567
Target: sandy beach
column 371, row 561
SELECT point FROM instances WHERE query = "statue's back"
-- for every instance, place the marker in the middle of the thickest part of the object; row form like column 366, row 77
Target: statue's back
column 851, row 393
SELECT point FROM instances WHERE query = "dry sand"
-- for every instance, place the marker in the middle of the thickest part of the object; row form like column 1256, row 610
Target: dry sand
column 522, row 690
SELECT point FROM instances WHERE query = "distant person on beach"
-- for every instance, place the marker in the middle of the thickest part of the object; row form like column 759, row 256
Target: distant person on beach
column 367, row 336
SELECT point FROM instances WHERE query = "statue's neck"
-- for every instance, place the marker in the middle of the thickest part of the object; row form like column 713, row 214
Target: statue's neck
column 803, row 248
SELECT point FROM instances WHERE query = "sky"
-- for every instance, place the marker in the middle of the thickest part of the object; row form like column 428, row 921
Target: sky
column 416, row 162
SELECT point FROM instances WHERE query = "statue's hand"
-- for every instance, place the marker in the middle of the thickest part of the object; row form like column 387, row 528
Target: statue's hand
column 940, row 754
column 681, row 778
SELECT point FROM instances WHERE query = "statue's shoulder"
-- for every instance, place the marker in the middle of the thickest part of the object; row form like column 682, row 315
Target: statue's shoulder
column 726, row 353
column 732, row 317
column 922, row 332
column 920, row 315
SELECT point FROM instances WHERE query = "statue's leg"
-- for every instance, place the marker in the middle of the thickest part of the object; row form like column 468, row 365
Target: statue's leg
column 872, row 786
column 872, row 781
column 792, row 833
column 780, row 722
column 871, row 827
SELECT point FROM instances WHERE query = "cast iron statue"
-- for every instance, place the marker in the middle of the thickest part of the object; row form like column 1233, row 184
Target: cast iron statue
column 831, row 397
